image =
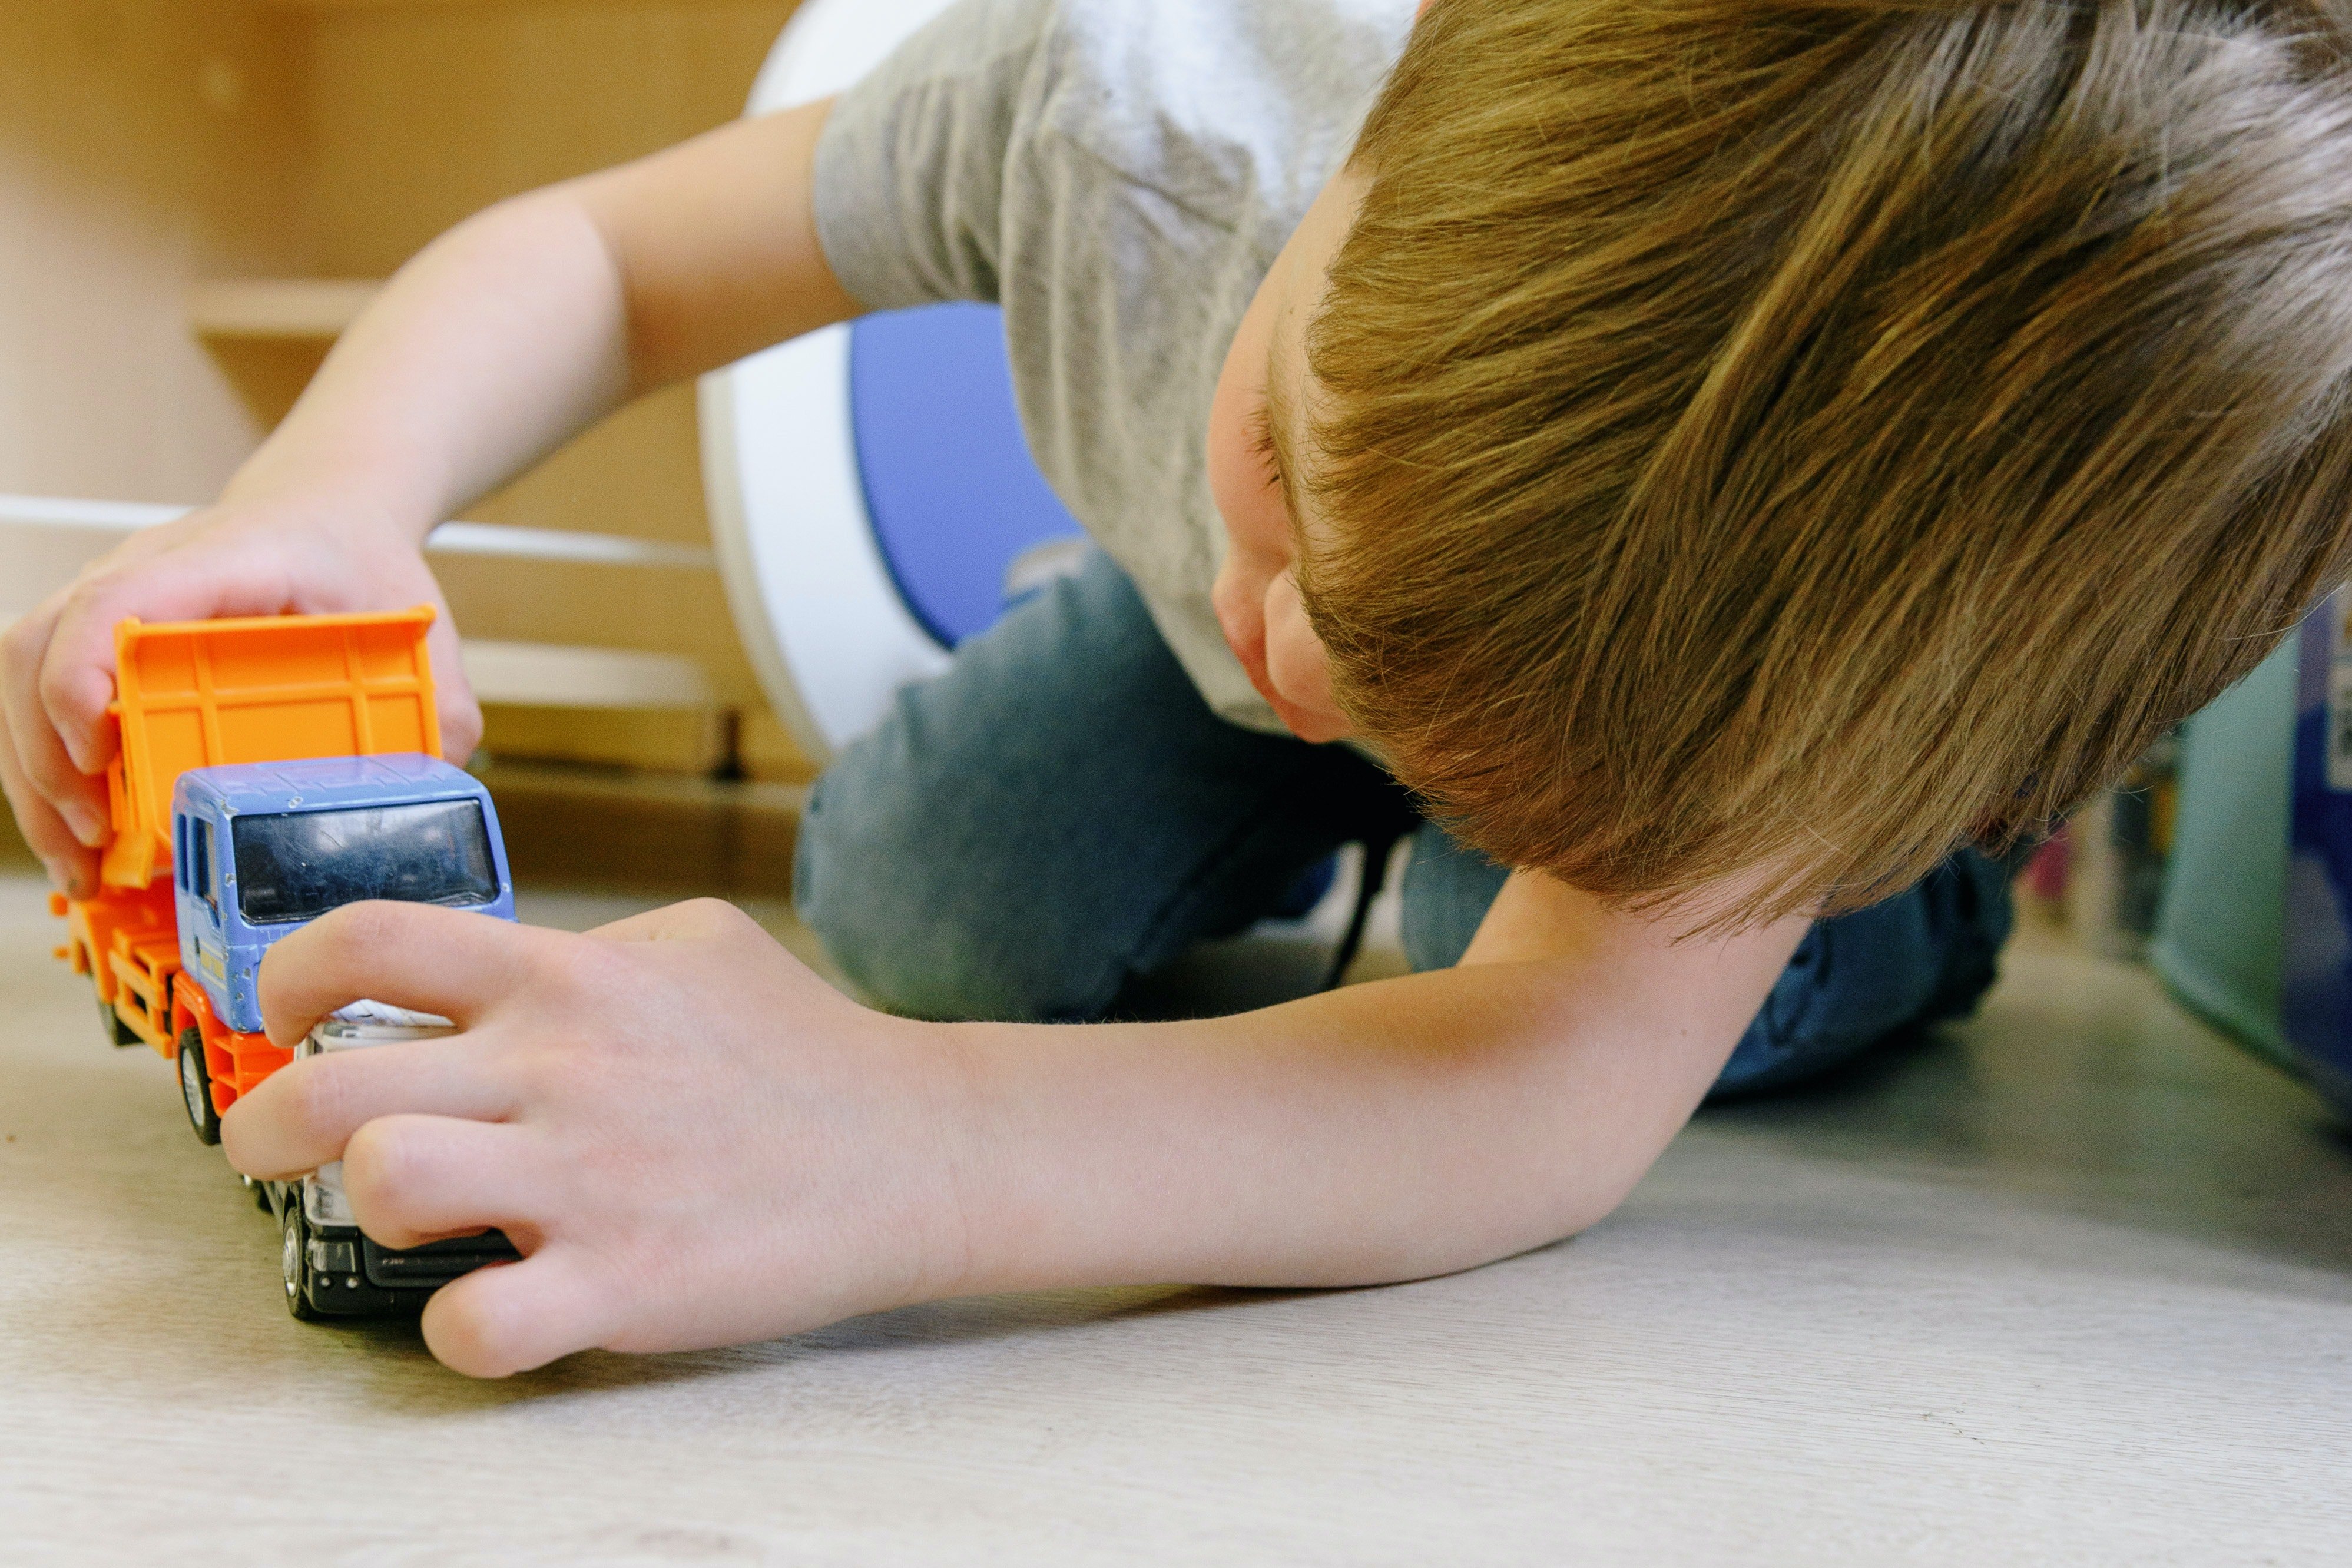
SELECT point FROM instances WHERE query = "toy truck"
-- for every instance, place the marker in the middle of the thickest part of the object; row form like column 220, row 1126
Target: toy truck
column 271, row 770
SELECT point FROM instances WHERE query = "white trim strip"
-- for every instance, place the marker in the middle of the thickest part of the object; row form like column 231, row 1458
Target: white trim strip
column 551, row 674
column 62, row 515
column 544, row 675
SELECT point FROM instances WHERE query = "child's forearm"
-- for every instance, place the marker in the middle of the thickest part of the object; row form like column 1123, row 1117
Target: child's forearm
column 532, row 319
column 1384, row 1132
column 806, row 1158
column 496, row 342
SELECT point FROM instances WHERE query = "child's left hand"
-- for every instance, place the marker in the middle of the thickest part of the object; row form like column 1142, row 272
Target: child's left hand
column 692, row 1139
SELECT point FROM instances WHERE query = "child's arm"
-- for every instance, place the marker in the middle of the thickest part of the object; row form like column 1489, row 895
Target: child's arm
column 499, row 341
column 698, row 1142
column 527, row 322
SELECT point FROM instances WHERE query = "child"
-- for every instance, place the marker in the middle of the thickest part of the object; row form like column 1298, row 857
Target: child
column 1725, row 459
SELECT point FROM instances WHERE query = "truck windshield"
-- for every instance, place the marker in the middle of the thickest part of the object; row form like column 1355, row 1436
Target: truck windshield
column 297, row 865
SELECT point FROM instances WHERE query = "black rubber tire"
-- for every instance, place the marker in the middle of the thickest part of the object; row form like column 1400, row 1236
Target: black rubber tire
column 196, row 1088
column 294, row 1263
column 116, row 1032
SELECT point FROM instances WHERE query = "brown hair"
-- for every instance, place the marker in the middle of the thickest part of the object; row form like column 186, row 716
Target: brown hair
column 1787, row 441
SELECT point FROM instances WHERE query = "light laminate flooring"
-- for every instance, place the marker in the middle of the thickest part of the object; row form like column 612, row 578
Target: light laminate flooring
column 2069, row 1283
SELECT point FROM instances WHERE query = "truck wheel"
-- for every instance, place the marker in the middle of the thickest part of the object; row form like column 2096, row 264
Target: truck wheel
column 196, row 1088
column 294, row 1263
column 117, row 1032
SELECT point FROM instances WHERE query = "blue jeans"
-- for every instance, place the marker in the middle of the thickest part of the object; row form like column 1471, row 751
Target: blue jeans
column 1060, row 813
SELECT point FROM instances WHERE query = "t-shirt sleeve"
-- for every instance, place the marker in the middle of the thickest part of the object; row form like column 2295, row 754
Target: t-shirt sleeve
column 911, row 170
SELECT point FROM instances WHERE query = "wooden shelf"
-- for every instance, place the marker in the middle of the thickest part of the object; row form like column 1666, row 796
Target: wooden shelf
column 334, row 5
column 286, row 309
column 662, row 832
column 320, row 144
column 361, row 7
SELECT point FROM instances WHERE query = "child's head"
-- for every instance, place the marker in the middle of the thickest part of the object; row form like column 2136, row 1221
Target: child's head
column 1784, row 441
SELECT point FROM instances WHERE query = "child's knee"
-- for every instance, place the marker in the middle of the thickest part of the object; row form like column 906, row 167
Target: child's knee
column 918, row 929
column 1448, row 888
column 850, row 873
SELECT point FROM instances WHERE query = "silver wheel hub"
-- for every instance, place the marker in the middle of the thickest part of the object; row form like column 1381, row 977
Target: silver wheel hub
column 192, row 1085
column 291, row 1259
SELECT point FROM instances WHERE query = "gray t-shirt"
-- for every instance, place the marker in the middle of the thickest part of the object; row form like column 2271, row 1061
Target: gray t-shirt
column 1117, row 174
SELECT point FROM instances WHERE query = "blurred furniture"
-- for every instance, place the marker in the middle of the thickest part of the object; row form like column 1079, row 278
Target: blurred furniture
column 200, row 194
column 870, row 490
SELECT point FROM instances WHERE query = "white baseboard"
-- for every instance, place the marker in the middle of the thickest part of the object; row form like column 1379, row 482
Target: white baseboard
column 46, row 541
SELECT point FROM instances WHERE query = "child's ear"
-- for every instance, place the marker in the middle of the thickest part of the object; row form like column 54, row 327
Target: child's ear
column 1298, row 669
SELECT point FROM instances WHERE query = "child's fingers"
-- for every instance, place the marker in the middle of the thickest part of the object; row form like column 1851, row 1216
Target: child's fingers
column 461, row 715
column 168, row 583
column 412, row 1179
column 453, row 962
column 45, row 771
column 71, row 866
column 512, row 1317
column 303, row 1116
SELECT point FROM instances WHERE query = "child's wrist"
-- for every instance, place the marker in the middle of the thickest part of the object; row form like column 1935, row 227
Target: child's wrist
column 1037, row 1159
column 999, row 1216
column 960, row 1233
column 375, row 503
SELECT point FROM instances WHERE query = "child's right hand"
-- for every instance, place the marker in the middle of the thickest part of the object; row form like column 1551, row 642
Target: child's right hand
column 251, row 556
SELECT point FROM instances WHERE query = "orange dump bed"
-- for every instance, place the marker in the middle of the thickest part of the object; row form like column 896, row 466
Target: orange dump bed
column 198, row 694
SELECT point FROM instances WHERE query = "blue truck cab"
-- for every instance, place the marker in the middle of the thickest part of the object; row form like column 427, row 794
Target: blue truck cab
column 261, row 849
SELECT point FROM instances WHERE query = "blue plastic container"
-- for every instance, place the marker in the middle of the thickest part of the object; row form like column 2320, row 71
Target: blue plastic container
column 2220, row 924
column 2315, row 967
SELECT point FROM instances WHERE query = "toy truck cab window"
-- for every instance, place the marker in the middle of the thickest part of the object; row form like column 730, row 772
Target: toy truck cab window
column 200, row 869
column 298, row 865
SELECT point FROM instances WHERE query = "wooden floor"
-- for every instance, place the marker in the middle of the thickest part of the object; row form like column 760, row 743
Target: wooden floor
column 2070, row 1284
